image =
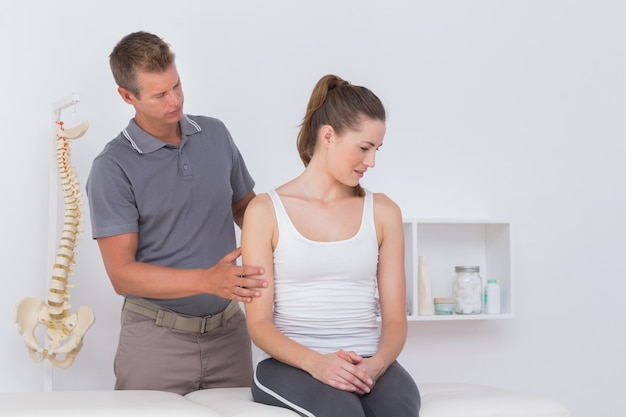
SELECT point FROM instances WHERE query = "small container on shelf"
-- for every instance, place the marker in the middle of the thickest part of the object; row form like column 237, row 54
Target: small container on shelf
column 492, row 297
column 468, row 290
column 444, row 306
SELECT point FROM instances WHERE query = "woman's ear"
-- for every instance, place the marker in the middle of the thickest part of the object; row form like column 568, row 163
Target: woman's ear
column 326, row 134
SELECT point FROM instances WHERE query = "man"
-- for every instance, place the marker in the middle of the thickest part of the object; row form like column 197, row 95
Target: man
column 164, row 196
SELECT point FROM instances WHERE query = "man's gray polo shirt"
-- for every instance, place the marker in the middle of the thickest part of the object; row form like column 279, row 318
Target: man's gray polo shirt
column 177, row 198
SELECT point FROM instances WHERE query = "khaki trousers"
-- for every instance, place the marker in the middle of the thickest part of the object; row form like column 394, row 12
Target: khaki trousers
column 150, row 357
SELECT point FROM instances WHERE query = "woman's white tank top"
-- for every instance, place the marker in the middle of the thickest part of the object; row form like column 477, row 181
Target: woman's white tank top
column 324, row 291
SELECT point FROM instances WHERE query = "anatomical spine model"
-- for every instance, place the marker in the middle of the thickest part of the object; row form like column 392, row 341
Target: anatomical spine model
column 65, row 331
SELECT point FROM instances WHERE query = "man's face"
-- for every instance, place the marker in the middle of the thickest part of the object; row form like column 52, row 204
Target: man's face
column 160, row 99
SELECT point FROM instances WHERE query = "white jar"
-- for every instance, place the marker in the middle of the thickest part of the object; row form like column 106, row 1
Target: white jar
column 492, row 297
column 468, row 290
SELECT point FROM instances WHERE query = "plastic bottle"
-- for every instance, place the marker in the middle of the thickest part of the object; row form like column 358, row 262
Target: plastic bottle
column 492, row 297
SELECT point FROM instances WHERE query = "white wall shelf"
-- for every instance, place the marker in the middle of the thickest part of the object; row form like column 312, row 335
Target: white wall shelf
column 458, row 242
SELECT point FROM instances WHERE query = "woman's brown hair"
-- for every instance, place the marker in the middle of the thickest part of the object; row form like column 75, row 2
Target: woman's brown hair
column 340, row 104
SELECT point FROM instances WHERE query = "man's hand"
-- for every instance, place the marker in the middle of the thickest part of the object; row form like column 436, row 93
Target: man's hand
column 233, row 282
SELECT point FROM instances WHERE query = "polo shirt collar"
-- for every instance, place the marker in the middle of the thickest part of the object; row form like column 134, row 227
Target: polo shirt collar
column 143, row 142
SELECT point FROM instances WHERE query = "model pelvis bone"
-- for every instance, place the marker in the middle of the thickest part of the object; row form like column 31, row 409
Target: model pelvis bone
column 64, row 331
column 32, row 312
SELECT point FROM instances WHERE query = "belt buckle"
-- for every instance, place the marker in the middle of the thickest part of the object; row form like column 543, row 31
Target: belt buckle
column 203, row 323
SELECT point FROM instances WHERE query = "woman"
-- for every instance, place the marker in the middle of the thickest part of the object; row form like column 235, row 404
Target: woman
column 326, row 245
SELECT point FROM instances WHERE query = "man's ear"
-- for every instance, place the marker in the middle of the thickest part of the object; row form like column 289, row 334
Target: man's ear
column 126, row 95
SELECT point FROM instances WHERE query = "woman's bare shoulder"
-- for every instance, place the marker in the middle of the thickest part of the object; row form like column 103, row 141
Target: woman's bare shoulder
column 385, row 205
column 260, row 205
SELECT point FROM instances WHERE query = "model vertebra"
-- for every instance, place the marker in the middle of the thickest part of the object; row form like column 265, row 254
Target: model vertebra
column 65, row 331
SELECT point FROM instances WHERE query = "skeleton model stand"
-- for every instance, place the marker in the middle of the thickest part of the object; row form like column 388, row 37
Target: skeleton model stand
column 64, row 331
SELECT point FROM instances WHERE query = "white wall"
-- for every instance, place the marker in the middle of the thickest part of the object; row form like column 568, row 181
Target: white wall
column 506, row 110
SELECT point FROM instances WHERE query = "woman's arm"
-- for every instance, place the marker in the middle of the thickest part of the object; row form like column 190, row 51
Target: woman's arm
column 258, row 240
column 391, row 285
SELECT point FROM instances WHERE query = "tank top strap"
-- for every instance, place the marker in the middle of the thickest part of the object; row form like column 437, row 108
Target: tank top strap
column 368, row 209
column 282, row 218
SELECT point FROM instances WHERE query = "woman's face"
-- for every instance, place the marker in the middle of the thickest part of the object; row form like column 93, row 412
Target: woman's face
column 353, row 152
